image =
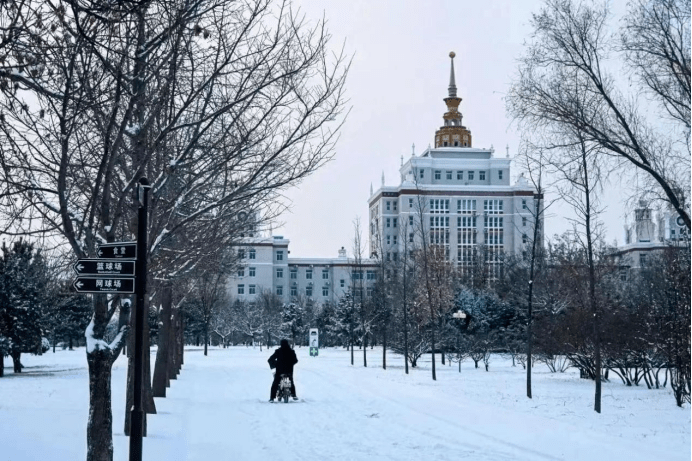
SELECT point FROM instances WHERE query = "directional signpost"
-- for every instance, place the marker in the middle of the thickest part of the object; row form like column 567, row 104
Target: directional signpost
column 114, row 272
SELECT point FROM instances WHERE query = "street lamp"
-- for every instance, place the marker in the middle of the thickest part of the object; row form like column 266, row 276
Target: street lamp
column 459, row 315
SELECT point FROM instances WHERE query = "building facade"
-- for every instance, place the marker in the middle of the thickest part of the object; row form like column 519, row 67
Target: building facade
column 645, row 238
column 265, row 265
column 457, row 196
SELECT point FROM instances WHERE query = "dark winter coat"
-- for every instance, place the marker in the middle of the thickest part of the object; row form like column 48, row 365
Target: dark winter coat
column 283, row 360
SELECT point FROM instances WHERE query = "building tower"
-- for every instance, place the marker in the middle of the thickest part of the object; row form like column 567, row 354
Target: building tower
column 455, row 196
column 453, row 133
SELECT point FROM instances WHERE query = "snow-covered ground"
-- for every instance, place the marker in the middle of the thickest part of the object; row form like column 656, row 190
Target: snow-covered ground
column 217, row 409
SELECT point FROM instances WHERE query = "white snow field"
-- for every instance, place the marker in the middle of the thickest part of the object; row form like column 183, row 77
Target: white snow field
column 218, row 409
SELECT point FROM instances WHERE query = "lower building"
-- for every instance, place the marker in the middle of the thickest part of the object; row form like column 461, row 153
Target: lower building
column 265, row 265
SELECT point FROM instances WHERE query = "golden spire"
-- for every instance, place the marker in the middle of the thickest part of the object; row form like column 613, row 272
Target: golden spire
column 453, row 133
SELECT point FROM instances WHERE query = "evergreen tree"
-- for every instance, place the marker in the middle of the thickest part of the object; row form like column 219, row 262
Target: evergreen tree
column 23, row 280
column 292, row 316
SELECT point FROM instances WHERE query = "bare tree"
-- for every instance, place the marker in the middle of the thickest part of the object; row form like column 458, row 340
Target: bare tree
column 579, row 167
column 221, row 104
column 564, row 83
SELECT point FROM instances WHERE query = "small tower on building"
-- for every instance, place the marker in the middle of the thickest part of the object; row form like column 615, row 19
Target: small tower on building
column 453, row 133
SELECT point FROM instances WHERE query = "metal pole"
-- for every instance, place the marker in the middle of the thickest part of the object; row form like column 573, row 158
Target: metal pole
column 137, row 414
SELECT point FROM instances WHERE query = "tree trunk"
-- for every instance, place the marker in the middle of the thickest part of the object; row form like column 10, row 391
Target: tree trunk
column 181, row 341
column 2, row 364
column 100, row 422
column 384, row 348
column 148, row 403
column 70, row 342
column 351, row 348
column 365, row 350
column 16, row 362
column 173, row 349
column 162, row 364
column 206, row 339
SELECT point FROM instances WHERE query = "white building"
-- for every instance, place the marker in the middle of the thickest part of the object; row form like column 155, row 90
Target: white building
column 462, row 194
column 266, row 265
column 644, row 238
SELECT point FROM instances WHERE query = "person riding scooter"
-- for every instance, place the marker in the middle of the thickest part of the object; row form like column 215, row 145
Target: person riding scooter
column 283, row 360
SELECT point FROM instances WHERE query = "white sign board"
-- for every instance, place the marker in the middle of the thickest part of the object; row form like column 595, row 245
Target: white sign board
column 314, row 338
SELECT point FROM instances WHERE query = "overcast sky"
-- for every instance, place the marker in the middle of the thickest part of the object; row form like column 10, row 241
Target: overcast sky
column 398, row 78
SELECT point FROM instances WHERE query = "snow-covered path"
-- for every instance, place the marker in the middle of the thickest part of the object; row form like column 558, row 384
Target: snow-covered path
column 218, row 409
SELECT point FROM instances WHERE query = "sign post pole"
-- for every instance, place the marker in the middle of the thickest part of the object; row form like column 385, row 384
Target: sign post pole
column 137, row 413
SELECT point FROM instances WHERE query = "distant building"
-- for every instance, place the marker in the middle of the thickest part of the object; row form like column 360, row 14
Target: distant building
column 266, row 265
column 463, row 194
column 644, row 239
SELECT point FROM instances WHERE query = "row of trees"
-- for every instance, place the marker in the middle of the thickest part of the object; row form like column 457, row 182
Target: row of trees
column 220, row 104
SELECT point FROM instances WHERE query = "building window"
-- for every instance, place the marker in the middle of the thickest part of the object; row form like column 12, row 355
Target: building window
column 325, row 274
column 279, row 255
column 394, row 239
column 523, row 221
column 387, row 202
column 388, row 240
column 623, row 273
column 279, row 290
column 325, row 291
column 252, row 290
column 342, row 283
column 252, row 271
column 460, row 175
column 370, row 275
column 241, row 289
column 410, row 220
column 241, row 253
column 395, row 256
column 308, row 291
column 294, row 290
column 394, row 205
column 643, row 259
column 523, row 204
column 438, row 173
column 449, row 175
column 410, row 203
column 388, row 222
column 357, row 275
column 524, row 239
column 308, row 274
column 422, row 173
column 481, row 175
column 410, row 237
column 241, row 272
column 466, row 206
column 393, row 222
column 493, row 206
column 470, row 175
column 294, row 272
column 279, row 273
column 499, row 174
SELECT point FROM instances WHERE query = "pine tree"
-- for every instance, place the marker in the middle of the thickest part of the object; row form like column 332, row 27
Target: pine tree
column 23, row 279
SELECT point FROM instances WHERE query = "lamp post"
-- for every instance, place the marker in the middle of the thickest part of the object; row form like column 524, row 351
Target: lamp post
column 459, row 315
